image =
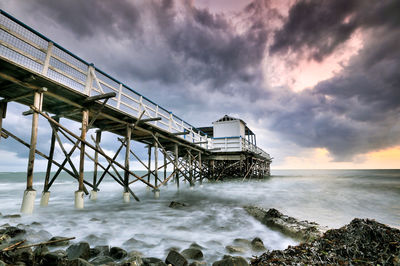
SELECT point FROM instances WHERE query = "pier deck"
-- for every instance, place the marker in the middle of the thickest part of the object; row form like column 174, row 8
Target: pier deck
column 39, row 73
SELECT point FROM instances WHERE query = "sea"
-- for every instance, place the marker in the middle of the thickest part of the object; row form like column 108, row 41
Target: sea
column 214, row 216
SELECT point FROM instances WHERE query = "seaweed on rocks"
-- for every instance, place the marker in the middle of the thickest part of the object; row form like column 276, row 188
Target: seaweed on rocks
column 362, row 242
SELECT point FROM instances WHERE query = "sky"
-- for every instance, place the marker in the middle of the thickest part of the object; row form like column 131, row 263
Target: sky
column 317, row 81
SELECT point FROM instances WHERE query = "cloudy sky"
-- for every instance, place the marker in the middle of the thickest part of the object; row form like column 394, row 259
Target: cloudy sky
column 317, row 81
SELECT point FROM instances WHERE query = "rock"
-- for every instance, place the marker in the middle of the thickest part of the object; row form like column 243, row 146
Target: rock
column 362, row 242
column 94, row 219
column 242, row 242
column 101, row 260
column 257, row 244
column 153, row 262
column 101, row 250
column 198, row 263
column 23, row 255
column 135, row 254
column 58, row 244
column 300, row 230
column 79, row 262
column 80, row 250
column 39, row 251
column 12, row 216
column 175, row 204
column 36, row 224
column 117, row 253
column 231, row 261
column 195, row 245
column 235, row 249
column 176, row 259
column 192, row 253
column 12, row 231
column 132, row 242
column 94, row 252
column 2, row 263
column 134, row 258
column 58, row 257
column 4, row 238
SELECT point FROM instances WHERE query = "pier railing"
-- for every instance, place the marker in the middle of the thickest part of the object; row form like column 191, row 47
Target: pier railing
column 237, row 143
column 26, row 47
column 22, row 45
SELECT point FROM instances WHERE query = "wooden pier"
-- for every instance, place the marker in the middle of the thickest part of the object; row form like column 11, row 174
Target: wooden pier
column 57, row 85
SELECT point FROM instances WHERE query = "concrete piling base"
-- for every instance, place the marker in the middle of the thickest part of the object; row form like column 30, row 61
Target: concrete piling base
column 79, row 200
column 28, row 201
column 93, row 195
column 126, row 196
column 156, row 193
column 44, row 201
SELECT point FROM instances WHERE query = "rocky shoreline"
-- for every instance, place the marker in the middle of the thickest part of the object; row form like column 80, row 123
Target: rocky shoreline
column 361, row 242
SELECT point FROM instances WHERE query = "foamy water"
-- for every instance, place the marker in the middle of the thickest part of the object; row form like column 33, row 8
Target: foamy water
column 214, row 216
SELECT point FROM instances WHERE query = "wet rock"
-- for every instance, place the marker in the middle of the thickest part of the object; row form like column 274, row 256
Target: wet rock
column 198, row 263
column 175, row 204
column 257, row 244
column 24, row 255
column 153, row 262
column 132, row 242
column 79, row 262
column 4, row 238
column 94, row 252
column 80, row 250
column 231, row 261
column 12, row 231
column 58, row 257
column 2, row 263
column 117, row 253
column 176, row 259
column 12, row 216
column 300, row 230
column 101, row 260
column 59, row 244
column 135, row 254
column 242, row 242
column 235, row 249
column 192, row 253
column 362, row 242
column 39, row 251
column 95, row 219
column 134, row 258
column 195, row 245
column 100, row 250
column 36, row 224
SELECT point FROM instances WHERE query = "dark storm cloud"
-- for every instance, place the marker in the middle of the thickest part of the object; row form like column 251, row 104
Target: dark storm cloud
column 357, row 110
column 86, row 18
column 316, row 28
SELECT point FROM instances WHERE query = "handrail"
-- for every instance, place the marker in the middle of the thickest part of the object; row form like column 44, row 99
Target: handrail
column 31, row 49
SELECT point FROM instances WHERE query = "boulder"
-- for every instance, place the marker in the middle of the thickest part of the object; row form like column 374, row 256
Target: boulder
column 58, row 257
column 257, row 244
column 2, row 263
column 12, row 231
column 195, row 245
column 12, row 216
column 59, row 244
column 100, row 250
column 79, row 262
column 231, row 261
column 101, row 260
column 153, row 262
column 192, row 253
column 198, row 263
column 39, row 251
column 300, row 230
column 175, row 204
column 132, row 261
column 4, row 238
column 80, row 250
column 242, row 242
column 176, row 259
column 21, row 255
column 235, row 249
column 117, row 253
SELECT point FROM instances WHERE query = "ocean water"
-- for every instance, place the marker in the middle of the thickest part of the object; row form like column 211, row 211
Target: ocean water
column 214, row 216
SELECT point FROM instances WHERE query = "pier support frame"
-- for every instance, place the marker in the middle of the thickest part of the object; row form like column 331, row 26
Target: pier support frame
column 30, row 194
column 79, row 200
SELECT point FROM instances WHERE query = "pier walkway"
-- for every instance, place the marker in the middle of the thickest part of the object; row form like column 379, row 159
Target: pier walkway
column 37, row 72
